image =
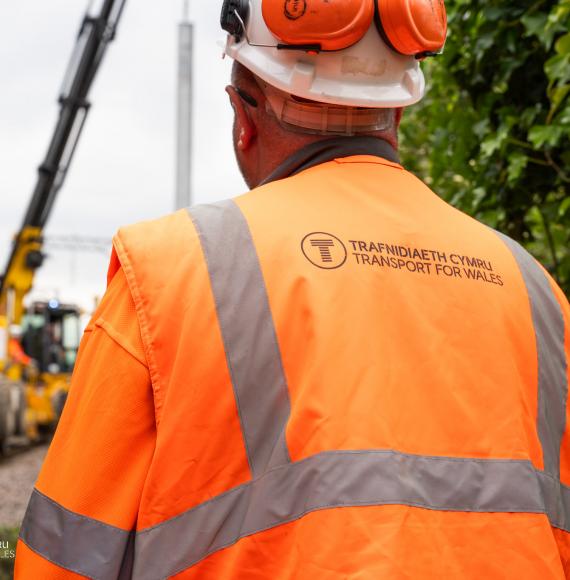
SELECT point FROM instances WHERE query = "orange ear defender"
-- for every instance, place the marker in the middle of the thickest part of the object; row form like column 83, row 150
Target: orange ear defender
column 330, row 25
column 412, row 27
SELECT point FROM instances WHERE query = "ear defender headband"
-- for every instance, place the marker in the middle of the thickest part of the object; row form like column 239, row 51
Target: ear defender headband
column 235, row 14
column 412, row 27
column 409, row 27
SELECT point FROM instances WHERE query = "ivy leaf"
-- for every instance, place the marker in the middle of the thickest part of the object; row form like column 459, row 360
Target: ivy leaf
column 493, row 135
column 517, row 163
column 535, row 24
column 557, row 68
column 545, row 135
column 564, row 207
column 562, row 45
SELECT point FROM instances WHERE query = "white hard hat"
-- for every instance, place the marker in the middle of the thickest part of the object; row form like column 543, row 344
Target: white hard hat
column 15, row 330
column 354, row 53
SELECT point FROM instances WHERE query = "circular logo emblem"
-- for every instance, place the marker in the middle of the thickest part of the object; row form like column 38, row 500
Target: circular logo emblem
column 324, row 250
column 295, row 8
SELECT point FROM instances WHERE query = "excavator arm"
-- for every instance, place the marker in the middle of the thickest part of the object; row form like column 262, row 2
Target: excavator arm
column 26, row 257
column 30, row 403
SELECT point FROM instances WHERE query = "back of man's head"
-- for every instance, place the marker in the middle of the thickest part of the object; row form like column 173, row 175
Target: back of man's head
column 332, row 67
column 314, row 69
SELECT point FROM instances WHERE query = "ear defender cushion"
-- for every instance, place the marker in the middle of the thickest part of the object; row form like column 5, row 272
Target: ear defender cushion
column 332, row 25
column 412, row 27
column 229, row 21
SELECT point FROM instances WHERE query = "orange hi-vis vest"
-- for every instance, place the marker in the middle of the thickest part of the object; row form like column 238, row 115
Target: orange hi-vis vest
column 351, row 380
column 16, row 352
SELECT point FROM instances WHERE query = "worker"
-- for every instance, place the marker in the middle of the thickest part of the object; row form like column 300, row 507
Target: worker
column 16, row 353
column 334, row 376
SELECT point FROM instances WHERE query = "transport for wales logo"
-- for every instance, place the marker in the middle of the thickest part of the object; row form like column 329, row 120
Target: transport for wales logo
column 327, row 252
column 324, row 250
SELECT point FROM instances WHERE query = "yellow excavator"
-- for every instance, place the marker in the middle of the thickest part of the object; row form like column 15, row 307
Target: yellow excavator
column 38, row 342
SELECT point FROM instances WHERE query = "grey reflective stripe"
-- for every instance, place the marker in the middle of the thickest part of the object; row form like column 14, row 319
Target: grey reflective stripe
column 556, row 500
column 248, row 332
column 71, row 541
column 548, row 324
column 333, row 480
column 285, row 494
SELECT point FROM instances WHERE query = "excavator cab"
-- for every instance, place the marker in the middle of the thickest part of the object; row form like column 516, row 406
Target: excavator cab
column 51, row 334
column 34, row 388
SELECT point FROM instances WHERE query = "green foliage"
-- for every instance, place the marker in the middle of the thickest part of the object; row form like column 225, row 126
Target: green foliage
column 493, row 134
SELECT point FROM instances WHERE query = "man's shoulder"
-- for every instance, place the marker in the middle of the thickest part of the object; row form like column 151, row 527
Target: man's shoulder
column 168, row 225
column 152, row 243
column 153, row 227
column 171, row 234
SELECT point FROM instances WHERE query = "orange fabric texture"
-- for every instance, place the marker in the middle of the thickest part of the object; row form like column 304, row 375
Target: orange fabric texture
column 563, row 541
column 391, row 542
column 91, row 467
column 109, row 412
column 194, row 393
column 565, row 452
column 30, row 565
column 449, row 345
column 426, row 312
column 418, row 339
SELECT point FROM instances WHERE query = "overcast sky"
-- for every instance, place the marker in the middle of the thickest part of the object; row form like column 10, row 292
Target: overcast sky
column 123, row 171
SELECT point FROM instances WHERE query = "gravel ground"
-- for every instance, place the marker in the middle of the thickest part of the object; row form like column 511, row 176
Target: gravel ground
column 18, row 475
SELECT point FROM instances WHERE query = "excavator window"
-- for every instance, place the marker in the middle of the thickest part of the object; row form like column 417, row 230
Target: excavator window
column 51, row 337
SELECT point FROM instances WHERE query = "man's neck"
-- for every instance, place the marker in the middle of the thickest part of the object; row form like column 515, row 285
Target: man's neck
column 329, row 149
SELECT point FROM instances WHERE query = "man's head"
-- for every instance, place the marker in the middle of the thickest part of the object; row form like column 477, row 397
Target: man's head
column 311, row 69
column 16, row 331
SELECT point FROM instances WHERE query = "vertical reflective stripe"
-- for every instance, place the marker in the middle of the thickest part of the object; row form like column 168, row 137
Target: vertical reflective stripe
column 556, row 497
column 548, row 324
column 248, row 332
column 71, row 541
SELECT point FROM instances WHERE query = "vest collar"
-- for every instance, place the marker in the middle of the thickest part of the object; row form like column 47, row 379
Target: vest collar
column 330, row 149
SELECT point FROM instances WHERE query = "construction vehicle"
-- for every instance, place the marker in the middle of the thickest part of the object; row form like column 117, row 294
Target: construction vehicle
column 34, row 383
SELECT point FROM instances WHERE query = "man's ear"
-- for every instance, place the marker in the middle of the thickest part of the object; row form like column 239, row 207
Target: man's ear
column 245, row 127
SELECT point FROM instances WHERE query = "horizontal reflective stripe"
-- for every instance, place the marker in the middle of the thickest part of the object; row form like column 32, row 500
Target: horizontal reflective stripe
column 345, row 479
column 285, row 494
column 548, row 323
column 74, row 542
column 248, row 332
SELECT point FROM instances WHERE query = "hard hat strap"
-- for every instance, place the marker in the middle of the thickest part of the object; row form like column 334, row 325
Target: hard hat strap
column 314, row 47
column 321, row 118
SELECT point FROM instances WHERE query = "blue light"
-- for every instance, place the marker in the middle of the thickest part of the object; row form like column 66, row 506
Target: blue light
column 53, row 304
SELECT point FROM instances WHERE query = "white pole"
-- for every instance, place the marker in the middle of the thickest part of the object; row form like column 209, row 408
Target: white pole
column 184, row 118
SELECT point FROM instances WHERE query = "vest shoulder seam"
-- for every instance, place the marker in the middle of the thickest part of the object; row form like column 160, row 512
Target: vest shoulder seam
column 156, row 381
column 118, row 339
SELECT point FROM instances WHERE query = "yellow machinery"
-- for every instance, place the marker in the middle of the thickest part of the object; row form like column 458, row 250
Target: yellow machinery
column 38, row 343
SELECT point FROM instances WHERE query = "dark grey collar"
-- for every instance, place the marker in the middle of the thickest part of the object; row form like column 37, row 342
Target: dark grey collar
column 329, row 149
